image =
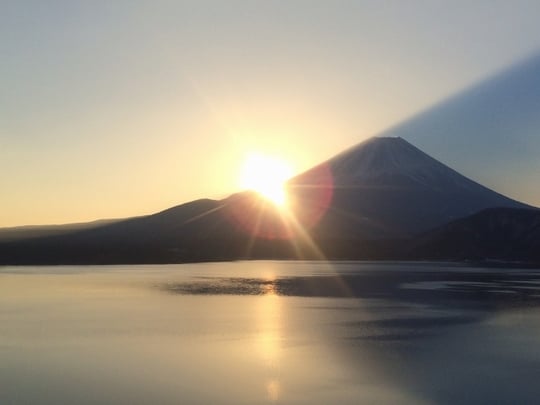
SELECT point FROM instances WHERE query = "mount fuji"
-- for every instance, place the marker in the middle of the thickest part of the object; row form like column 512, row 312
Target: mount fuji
column 386, row 188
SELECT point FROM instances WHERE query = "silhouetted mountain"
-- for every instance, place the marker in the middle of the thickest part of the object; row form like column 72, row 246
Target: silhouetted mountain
column 240, row 226
column 386, row 187
column 493, row 234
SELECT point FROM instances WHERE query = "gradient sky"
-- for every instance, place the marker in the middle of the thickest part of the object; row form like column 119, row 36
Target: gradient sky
column 121, row 108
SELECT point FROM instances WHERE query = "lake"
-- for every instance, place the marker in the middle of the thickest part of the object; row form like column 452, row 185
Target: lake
column 269, row 332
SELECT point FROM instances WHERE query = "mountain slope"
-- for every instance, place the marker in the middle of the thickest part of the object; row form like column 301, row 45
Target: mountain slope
column 239, row 226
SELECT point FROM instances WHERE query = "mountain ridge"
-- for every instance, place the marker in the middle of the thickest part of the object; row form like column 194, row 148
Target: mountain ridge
column 370, row 201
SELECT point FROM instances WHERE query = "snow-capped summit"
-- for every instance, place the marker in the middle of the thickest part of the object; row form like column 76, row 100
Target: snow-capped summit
column 386, row 161
column 392, row 161
column 387, row 187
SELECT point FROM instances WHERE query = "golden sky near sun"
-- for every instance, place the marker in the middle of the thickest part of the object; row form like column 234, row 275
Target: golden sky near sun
column 119, row 109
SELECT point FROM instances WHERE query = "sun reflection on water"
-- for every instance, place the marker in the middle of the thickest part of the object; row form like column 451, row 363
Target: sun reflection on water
column 268, row 339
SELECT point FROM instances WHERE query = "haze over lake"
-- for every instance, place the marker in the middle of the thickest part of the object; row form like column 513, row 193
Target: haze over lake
column 269, row 332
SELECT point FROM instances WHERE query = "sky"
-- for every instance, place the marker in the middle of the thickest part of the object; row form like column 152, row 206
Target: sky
column 112, row 109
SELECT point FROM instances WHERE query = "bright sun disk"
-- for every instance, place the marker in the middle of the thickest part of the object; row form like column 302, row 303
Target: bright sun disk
column 267, row 176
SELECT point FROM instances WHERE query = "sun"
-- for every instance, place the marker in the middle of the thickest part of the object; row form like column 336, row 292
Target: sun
column 267, row 176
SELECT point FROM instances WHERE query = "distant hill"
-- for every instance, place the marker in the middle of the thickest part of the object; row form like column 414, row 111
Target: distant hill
column 39, row 231
column 504, row 234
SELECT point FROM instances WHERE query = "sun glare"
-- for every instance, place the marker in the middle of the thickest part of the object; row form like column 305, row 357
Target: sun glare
column 267, row 176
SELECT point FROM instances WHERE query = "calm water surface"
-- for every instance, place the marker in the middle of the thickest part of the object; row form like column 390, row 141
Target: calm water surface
column 269, row 332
